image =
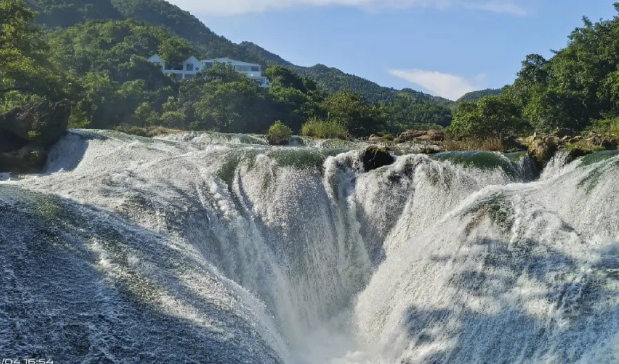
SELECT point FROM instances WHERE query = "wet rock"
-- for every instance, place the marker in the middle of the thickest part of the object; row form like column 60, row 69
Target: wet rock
column 381, row 139
column 602, row 141
column 25, row 134
column 541, row 148
column 375, row 139
column 430, row 149
column 10, row 142
column 28, row 159
column 43, row 123
column 563, row 133
column 374, row 157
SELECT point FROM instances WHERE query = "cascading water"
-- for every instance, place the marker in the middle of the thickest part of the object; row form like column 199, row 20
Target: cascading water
column 213, row 248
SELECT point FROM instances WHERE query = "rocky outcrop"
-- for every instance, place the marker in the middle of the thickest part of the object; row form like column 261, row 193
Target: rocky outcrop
column 42, row 123
column 428, row 136
column 26, row 133
column 542, row 148
column 374, row 157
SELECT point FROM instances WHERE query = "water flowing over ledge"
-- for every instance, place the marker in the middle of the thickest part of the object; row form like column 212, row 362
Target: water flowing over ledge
column 217, row 248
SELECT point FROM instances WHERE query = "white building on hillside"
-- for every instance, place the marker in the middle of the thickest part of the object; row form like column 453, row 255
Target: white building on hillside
column 192, row 66
column 251, row 70
column 189, row 68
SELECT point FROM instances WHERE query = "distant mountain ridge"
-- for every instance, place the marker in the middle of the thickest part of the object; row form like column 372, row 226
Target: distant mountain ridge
column 65, row 13
column 477, row 95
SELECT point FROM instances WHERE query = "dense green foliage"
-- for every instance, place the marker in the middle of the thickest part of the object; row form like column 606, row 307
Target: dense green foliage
column 112, row 84
column 65, row 13
column 577, row 89
column 94, row 54
column 25, row 72
column 490, row 117
column 477, row 95
column 353, row 113
column 404, row 112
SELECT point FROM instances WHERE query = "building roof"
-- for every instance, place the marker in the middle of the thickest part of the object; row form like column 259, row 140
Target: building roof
column 156, row 58
column 192, row 59
column 227, row 59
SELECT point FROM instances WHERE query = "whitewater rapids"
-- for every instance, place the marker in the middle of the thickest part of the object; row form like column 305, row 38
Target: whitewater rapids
column 212, row 248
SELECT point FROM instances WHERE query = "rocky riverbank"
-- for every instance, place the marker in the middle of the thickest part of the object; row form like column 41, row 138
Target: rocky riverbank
column 541, row 147
column 27, row 133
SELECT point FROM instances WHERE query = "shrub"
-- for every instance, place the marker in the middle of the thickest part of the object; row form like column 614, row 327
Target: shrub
column 324, row 129
column 173, row 119
column 279, row 134
column 606, row 126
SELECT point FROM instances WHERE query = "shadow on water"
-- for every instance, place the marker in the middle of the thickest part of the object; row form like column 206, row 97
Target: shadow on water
column 81, row 285
column 68, row 152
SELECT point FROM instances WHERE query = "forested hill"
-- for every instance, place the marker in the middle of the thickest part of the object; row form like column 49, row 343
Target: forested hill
column 478, row 95
column 65, row 13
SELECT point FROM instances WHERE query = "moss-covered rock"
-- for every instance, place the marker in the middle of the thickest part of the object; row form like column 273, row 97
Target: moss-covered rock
column 541, row 148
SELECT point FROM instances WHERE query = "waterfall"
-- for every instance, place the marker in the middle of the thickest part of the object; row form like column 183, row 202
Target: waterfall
column 216, row 248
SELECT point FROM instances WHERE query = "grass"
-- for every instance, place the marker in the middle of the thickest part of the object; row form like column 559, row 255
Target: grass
column 324, row 130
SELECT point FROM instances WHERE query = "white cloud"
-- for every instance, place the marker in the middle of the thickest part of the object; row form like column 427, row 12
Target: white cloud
column 440, row 84
column 235, row 7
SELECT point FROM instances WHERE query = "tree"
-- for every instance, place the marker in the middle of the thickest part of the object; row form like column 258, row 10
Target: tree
column 550, row 109
column 175, row 50
column 23, row 55
column 492, row 116
column 284, row 77
column 233, row 107
column 351, row 111
column 405, row 112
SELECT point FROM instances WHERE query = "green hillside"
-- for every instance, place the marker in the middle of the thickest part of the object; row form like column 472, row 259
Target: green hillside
column 478, row 95
column 65, row 13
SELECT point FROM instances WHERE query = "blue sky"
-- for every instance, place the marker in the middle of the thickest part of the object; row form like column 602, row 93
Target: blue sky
column 443, row 47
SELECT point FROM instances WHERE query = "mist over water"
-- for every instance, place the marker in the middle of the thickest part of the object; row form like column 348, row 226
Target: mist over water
column 219, row 249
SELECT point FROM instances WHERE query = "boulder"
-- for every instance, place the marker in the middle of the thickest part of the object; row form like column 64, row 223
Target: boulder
column 374, row 157
column 598, row 140
column 563, row 133
column 26, row 133
column 375, row 139
column 541, row 148
column 10, row 142
column 28, row 159
column 42, row 123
